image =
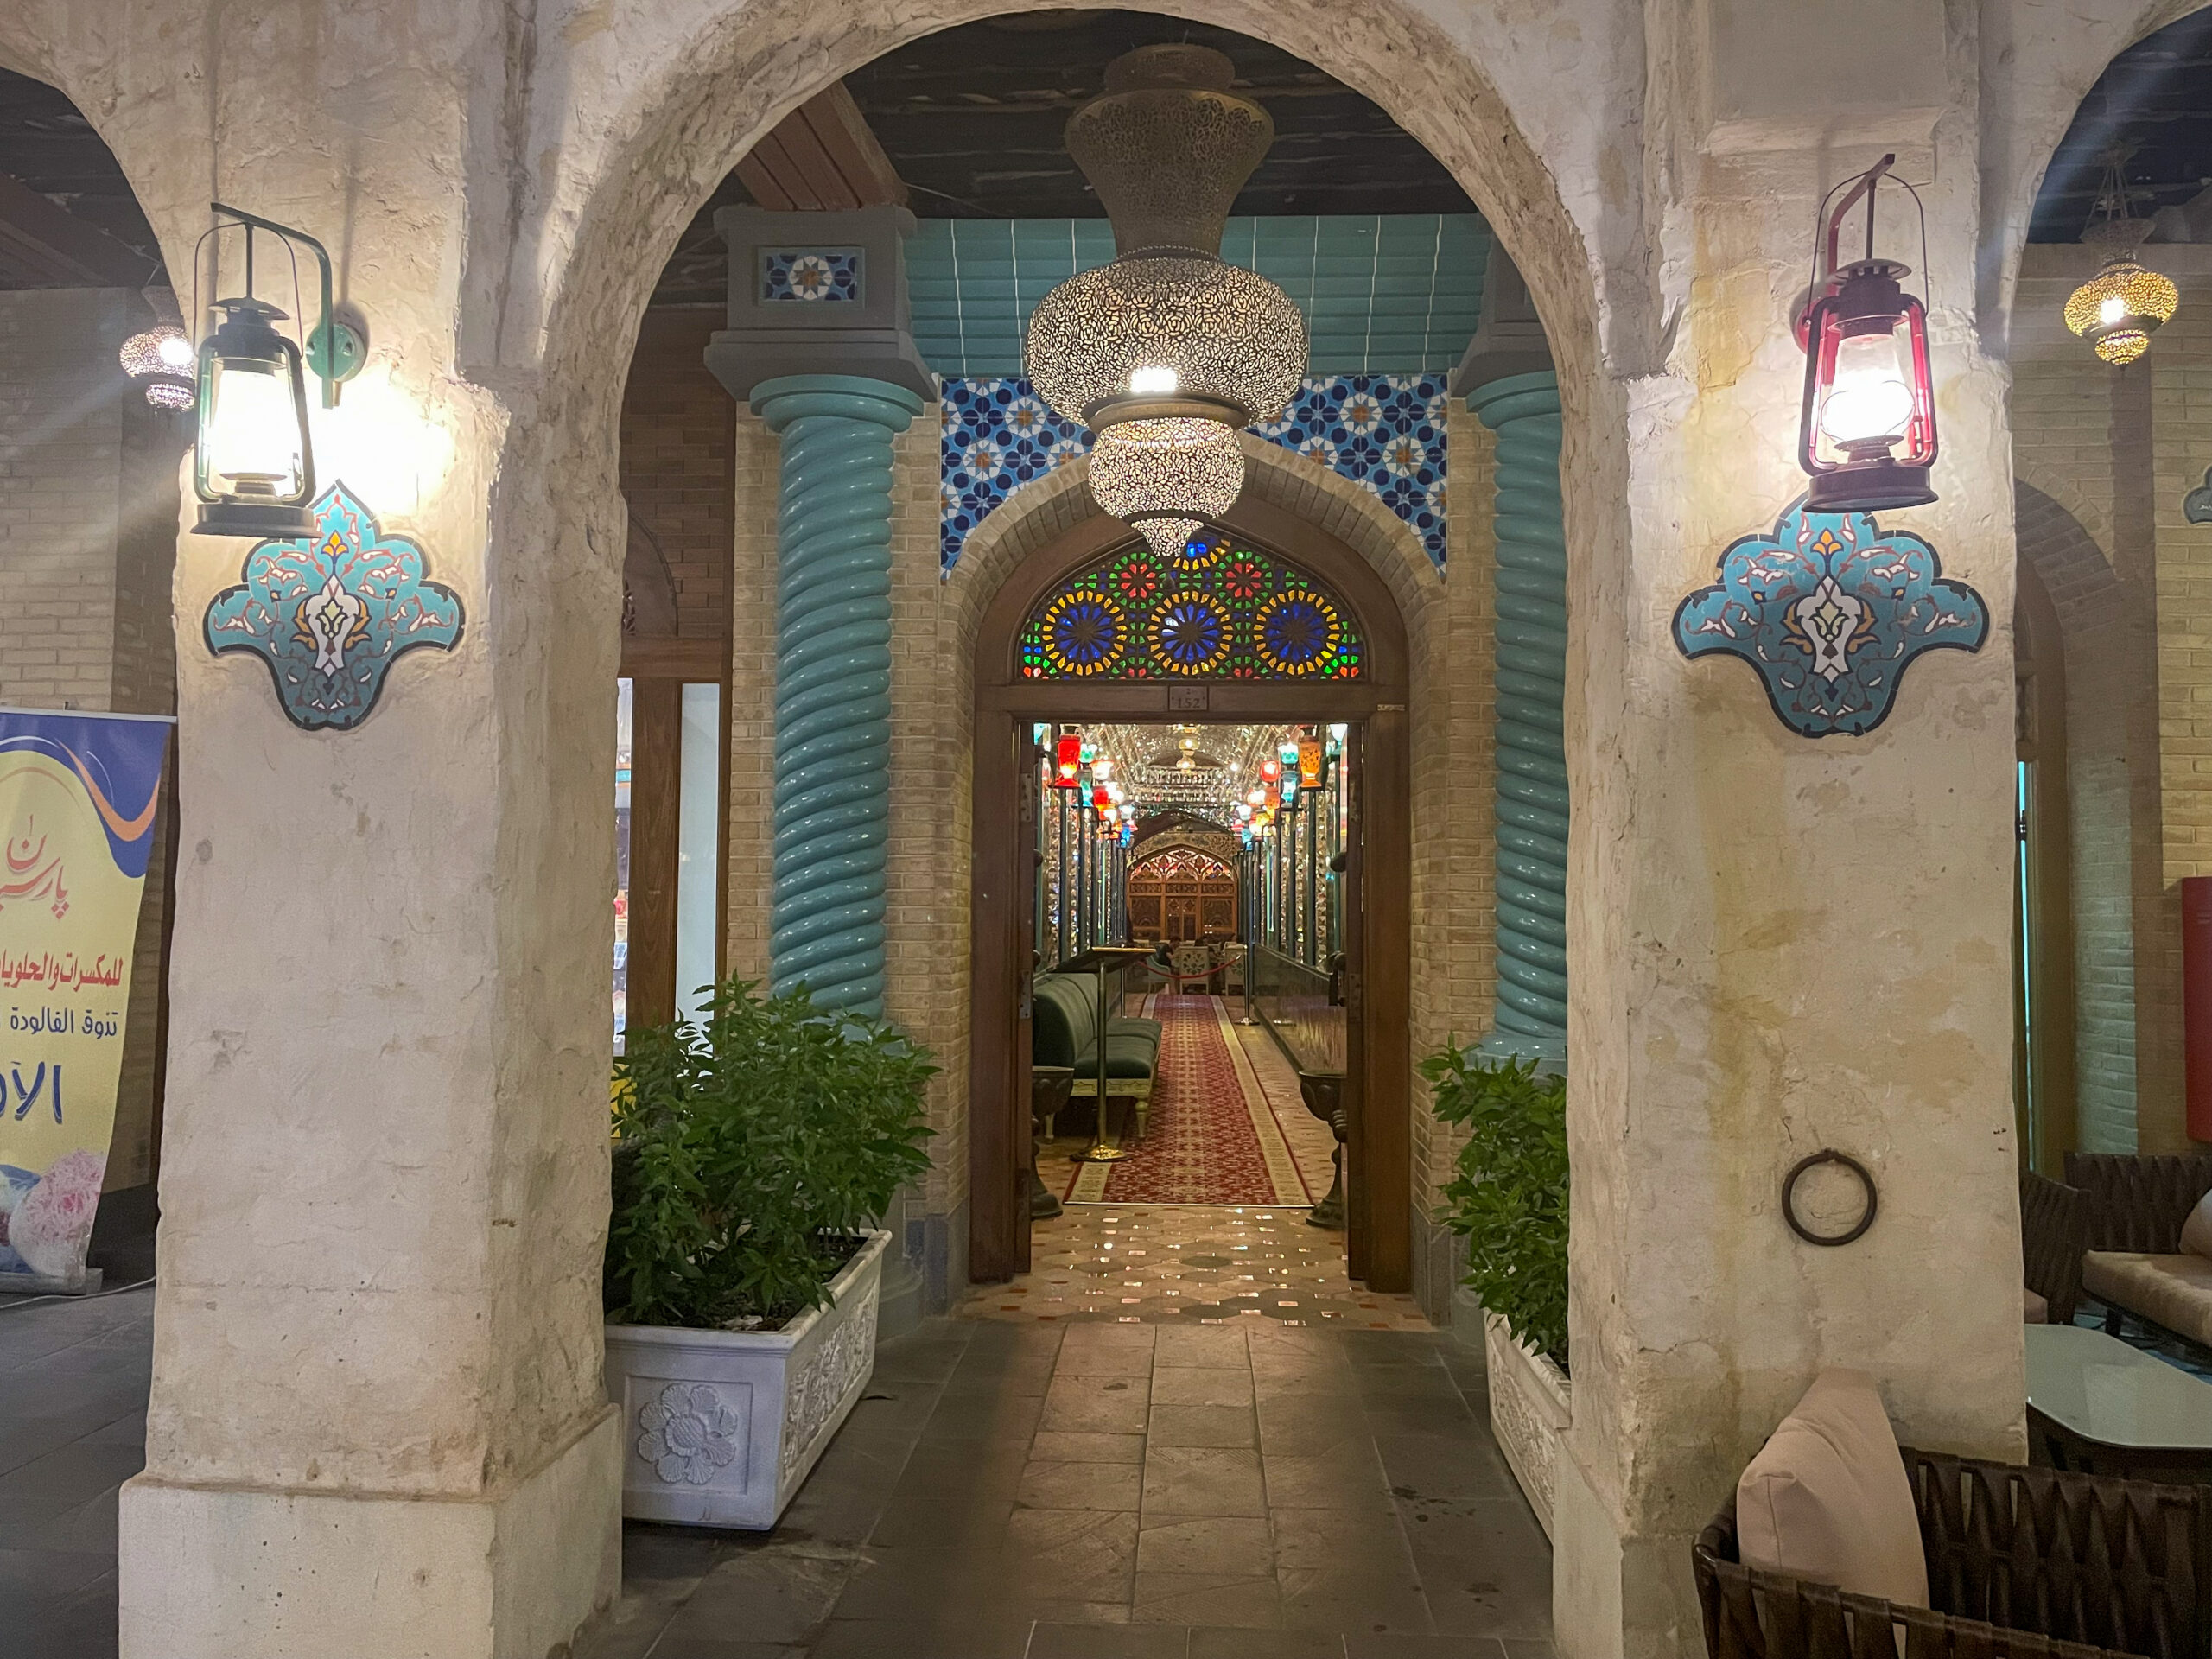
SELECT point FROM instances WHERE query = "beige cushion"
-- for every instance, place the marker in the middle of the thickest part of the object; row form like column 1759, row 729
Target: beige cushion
column 2196, row 1231
column 1826, row 1499
column 2175, row 1290
column 2033, row 1309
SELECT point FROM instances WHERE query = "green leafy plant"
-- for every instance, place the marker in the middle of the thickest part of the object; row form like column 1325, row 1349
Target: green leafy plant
column 1510, row 1196
column 750, row 1147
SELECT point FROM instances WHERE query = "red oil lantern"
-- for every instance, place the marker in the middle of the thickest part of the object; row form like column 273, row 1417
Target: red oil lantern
column 1867, row 433
column 1067, row 759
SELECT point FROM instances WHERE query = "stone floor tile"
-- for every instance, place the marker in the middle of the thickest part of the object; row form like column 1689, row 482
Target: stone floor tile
column 1306, row 1383
column 1367, row 1536
column 1463, row 1465
column 917, row 1584
column 1210, row 1345
column 1073, row 1554
column 1196, row 1385
column 1223, row 1600
column 944, row 1521
column 1350, row 1475
column 1240, row 1546
column 1486, row 1566
column 1315, row 1600
column 1218, row 1426
column 1311, row 1424
column 1087, row 1641
column 763, row 1596
column 954, row 1468
column 1080, row 1486
column 982, row 1634
column 1518, row 1647
column 1266, row 1644
column 1057, row 1445
column 1203, row 1480
column 1400, row 1644
column 984, row 1417
column 1097, row 1405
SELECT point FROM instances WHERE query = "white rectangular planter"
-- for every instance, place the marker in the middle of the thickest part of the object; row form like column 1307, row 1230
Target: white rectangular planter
column 1528, row 1413
column 721, row 1426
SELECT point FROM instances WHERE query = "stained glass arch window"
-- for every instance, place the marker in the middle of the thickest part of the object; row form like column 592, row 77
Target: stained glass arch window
column 1219, row 610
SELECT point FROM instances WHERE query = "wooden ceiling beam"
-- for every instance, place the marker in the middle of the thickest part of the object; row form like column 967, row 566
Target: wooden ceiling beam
column 821, row 157
column 51, row 247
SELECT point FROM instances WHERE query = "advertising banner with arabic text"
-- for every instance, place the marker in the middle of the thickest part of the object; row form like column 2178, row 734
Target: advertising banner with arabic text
column 78, row 794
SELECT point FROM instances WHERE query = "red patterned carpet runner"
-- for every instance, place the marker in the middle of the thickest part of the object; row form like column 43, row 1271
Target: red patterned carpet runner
column 1212, row 1137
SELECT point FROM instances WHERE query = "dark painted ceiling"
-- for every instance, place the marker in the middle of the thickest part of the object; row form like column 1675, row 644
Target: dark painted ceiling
column 51, row 147
column 973, row 118
column 2155, row 97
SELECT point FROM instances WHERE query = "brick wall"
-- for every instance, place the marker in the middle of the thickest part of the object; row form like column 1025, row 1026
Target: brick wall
column 2103, row 457
column 679, row 463
column 1451, row 642
column 88, row 528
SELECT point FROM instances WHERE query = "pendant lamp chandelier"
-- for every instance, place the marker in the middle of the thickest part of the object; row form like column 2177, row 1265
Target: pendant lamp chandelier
column 2117, row 309
column 1168, row 351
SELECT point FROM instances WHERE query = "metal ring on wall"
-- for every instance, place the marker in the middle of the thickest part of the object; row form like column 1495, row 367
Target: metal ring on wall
column 1827, row 1155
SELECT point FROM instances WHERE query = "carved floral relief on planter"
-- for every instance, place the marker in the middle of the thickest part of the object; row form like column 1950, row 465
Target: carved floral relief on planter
column 1830, row 609
column 330, row 612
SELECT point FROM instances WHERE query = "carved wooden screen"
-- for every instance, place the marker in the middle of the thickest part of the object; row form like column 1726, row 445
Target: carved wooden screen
column 1182, row 894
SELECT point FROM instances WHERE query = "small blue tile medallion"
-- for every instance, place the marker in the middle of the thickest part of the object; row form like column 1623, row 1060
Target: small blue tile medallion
column 1384, row 432
column 329, row 613
column 1830, row 609
column 812, row 273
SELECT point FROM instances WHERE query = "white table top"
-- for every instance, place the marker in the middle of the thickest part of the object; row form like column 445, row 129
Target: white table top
column 2106, row 1391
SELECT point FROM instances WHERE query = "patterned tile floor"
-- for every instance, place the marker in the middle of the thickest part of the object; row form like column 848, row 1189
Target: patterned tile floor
column 1152, row 1262
column 1189, row 1264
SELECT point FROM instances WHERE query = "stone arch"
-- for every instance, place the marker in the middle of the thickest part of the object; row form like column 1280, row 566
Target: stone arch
column 1045, row 509
column 2040, row 493
column 2127, row 988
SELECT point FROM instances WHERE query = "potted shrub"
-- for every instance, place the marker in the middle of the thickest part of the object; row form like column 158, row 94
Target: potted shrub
column 753, row 1152
column 1509, row 1198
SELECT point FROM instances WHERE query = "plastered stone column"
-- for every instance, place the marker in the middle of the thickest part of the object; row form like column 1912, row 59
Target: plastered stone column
column 377, row 1424
column 1777, row 943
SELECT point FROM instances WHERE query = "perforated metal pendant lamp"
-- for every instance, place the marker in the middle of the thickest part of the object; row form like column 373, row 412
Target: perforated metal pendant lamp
column 1168, row 336
column 1167, row 477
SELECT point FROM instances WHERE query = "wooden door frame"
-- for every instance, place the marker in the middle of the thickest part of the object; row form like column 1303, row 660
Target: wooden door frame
column 1375, row 706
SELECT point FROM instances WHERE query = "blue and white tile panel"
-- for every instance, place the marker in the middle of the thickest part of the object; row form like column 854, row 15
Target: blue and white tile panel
column 1385, row 432
column 810, row 274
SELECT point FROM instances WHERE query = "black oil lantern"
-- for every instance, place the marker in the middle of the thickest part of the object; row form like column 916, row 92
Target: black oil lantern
column 254, row 468
column 1867, row 434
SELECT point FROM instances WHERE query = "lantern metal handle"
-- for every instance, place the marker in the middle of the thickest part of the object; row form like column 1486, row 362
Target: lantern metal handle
column 334, row 349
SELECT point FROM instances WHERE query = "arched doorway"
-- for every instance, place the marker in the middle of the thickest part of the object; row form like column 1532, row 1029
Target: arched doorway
column 1021, row 681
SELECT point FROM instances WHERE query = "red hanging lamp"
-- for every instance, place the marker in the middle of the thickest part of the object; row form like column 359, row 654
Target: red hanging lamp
column 1867, row 433
column 1067, row 759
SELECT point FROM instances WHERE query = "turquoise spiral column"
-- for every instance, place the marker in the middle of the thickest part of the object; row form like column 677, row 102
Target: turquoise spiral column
column 833, row 681
column 1530, row 1022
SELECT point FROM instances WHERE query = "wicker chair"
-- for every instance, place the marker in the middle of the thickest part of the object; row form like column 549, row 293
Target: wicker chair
column 2137, row 1203
column 2020, row 1562
column 2054, row 1232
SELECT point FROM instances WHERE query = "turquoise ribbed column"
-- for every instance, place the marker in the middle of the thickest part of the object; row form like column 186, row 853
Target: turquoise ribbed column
column 833, row 681
column 1531, row 1009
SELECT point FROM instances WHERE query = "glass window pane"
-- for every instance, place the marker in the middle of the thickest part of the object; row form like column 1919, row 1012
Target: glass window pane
column 621, row 856
column 699, row 840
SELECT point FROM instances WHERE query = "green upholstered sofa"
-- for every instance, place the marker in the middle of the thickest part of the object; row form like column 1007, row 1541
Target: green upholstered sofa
column 1064, row 1031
